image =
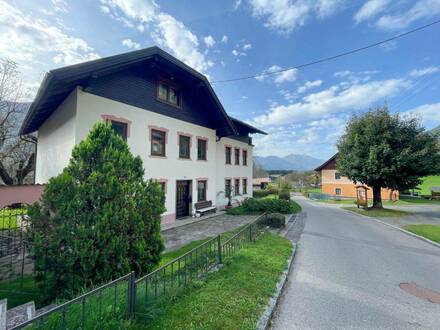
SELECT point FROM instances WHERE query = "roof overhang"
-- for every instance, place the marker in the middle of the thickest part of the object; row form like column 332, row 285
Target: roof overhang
column 319, row 168
column 59, row 83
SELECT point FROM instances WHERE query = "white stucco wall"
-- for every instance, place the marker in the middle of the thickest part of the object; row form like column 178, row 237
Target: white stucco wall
column 70, row 125
column 56, row 139
column 232, row 171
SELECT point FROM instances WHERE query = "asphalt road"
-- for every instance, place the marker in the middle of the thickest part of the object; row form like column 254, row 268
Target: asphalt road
column 347, row 273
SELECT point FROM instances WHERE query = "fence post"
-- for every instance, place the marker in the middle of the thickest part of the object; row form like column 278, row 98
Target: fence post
column 219, row 248
column 250, row 233
column 131, row 294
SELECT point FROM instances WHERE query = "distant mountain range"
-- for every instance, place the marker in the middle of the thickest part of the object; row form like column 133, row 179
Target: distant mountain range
column 290, row 162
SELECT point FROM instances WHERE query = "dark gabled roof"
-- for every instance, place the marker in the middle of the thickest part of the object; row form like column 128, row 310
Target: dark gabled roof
column 319, row 168
column 244, row 128
column 58, row 83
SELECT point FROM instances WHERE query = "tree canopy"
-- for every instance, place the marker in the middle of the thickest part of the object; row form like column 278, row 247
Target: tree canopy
column 98, row 219
column 387, row 151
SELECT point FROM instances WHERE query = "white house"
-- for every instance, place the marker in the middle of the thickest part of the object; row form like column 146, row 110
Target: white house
column 166, row 111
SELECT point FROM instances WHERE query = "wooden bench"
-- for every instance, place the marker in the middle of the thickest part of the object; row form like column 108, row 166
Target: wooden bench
column 204, row 207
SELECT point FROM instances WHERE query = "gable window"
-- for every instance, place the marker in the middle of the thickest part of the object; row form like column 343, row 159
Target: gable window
column 157, row 143
column 201, row 149
column 245, row 157
column 228, row 155
column 338, row 191
column 244, row 189
column 120, row 129
column 184, row 146
column 337, row 176
column 201, row 190
column 227, row 187
column 237, row 156
column 169, row 94
column 237, row 187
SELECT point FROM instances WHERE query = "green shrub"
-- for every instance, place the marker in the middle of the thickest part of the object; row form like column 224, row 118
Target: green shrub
column 265, row 192
column 276, row 220
column 97, row 220
column 258, row 206
column 284, row 194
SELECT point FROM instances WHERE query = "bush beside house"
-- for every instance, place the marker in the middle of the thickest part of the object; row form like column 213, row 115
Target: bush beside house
column 258, row 206
column 97, row 220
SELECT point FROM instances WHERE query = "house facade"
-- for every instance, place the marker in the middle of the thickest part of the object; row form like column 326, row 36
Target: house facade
column 334, row 184
column 167, row 113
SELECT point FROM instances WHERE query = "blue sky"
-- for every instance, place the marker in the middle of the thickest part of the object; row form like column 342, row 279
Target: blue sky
column 304, row 110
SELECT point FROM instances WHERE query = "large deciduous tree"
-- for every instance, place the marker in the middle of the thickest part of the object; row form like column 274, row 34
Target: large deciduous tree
column 98, row 219
column 387, row 151
column 17, row 153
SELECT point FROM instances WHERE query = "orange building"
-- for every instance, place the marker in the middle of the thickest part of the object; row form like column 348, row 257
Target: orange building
column 334, row 184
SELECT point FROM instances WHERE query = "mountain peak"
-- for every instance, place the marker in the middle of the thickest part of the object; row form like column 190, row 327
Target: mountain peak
column 291, row 162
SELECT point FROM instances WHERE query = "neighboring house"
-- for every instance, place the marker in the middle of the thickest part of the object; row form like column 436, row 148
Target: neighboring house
column 334, row 184
column 260, row 183
column 166, row 111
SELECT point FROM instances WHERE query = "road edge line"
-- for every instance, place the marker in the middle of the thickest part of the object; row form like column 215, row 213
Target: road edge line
column 427, row 240
column 266, row 318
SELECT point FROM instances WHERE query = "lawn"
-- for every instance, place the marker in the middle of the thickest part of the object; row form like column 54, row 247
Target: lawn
column 402, row 202
column 8, row 217
column 378, row 213
column 431, row 232
column 428, row 182
column 232, row 298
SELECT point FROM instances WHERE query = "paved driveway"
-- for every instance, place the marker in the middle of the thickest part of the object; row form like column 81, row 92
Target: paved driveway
column 176, row 237
column 347, row 273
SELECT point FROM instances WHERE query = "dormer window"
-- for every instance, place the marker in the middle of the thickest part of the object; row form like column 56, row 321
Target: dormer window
column 169, row 94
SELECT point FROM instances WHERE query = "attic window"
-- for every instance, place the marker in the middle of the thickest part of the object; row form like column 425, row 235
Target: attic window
column 169, row 94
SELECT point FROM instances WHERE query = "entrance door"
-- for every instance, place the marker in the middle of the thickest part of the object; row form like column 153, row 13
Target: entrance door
column 183, row 198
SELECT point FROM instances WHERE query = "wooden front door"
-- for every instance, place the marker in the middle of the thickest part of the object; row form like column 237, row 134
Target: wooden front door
column 183, row 198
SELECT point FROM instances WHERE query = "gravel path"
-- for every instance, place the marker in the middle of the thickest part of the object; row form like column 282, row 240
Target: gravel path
column 177, row 237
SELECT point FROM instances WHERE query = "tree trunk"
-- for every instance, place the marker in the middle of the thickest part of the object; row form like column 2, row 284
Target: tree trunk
column 377, row 197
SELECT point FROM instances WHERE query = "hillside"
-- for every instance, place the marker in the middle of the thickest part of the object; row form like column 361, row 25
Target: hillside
column 292, row 162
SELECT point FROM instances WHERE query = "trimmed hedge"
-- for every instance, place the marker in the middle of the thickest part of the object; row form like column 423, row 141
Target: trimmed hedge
column 265, row 192
column 284, row 194
column 258, row 206
column 276, row 220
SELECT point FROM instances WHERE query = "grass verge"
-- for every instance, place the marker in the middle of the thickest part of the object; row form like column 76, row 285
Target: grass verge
column 232, row 298
column 431, row 232
column 378, row 213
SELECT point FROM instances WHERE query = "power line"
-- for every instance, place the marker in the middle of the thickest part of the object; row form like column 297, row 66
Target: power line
column 325, row 59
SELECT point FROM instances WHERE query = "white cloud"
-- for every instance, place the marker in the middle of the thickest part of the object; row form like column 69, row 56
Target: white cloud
column 247, row 46
column 428, row 113
column 60, row 6
column 24, row 39
column 308, row 85
column 370, row 9
column 209, row 41
column 286, row 15
column 335, row 99
column 131, row 44
column 278, row 78
column 423, row 72
column 224, row 39
column 168, row 32
column 422, row 9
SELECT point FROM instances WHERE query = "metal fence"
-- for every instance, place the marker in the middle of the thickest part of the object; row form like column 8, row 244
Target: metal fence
column 14, row 249
column 99, row 308
column 104, row 305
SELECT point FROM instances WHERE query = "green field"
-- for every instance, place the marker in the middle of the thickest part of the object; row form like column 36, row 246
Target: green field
column 428, row 182
column 378, row 213
column 431, row 232
column 232, row 298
